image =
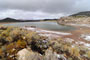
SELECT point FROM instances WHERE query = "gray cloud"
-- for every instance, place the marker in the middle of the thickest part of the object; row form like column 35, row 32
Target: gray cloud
column 47, row 7
column 20, row 14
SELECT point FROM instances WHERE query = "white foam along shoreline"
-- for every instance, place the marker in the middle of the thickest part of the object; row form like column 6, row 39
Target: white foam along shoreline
column 55, row 34
column 46, row 31
column 82, row 25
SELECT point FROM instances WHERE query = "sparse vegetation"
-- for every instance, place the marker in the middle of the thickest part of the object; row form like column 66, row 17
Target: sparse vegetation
column 78, row 18
column 82, row 14
column 14, row 39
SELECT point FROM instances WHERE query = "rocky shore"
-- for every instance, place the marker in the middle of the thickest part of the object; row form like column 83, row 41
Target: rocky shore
column 74, row 21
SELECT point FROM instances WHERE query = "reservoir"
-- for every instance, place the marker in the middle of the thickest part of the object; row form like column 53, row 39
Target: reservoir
column 43, row 25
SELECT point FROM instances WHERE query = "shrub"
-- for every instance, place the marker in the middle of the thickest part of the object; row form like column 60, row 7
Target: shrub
column 88, row 54
column 13, row 39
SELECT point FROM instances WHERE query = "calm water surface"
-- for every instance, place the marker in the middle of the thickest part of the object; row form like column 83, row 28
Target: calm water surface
column 44, row 25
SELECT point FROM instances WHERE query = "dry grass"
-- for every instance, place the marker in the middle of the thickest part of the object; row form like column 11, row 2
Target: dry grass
column 13, row 40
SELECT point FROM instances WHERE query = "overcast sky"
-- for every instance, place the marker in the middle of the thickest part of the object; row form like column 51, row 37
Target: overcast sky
column 39, row 9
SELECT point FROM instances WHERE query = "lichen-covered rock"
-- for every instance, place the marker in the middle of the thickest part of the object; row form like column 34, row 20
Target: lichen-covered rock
column 50, row 55
column 25, row 54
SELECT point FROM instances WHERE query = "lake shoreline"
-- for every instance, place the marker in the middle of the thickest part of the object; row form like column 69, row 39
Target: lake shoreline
column 76, row 39
column 79, row 36
column 74, row 36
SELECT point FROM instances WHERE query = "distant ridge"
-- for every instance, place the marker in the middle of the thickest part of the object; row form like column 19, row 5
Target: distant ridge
column 19, row 20
column 9, row 20
column 85, row 13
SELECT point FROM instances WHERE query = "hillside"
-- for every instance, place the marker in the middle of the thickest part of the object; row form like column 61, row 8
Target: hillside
column 74, row 19
column 9, row 20
column 85, row 13
column 23, row 44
